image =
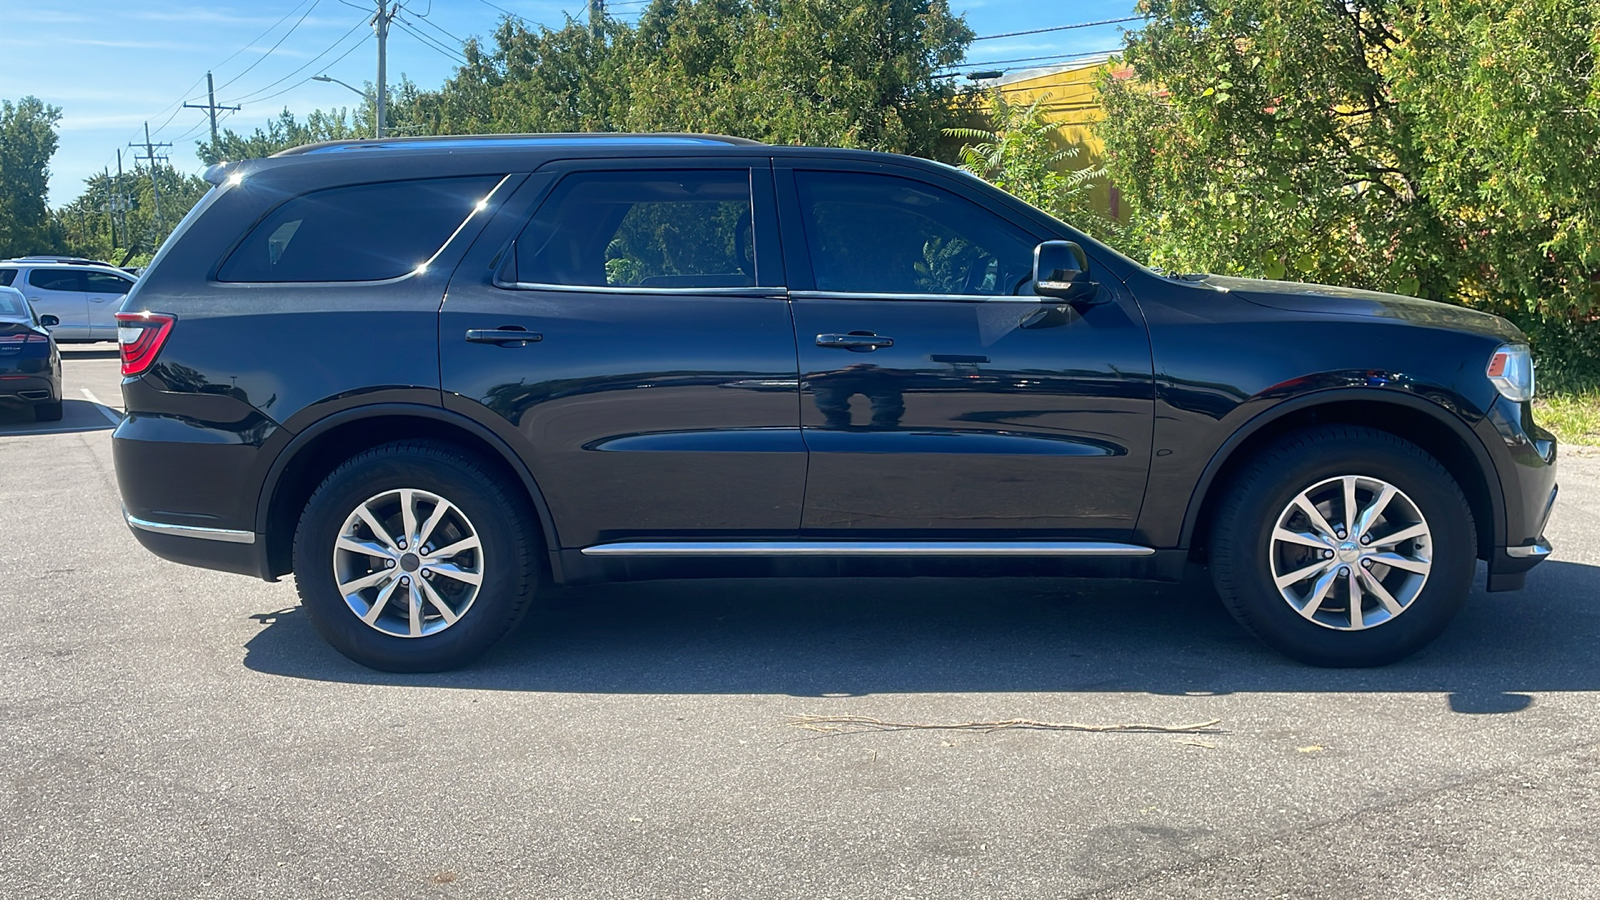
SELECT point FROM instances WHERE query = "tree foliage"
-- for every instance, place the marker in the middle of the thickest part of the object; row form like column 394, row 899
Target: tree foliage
column 27, row 141
column 282, row 133
column 850, row 73
column 1022, row 152
column 1443, row 148
column 116, row 220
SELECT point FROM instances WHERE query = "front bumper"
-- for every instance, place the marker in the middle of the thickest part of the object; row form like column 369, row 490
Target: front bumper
column 1527, row 473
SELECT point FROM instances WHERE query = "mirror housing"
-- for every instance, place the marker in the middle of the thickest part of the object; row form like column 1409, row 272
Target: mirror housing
column 49, row 321
column 1061, row 271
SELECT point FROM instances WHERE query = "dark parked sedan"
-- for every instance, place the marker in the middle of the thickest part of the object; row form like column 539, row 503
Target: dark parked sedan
column 30, row 364
column 428, row 375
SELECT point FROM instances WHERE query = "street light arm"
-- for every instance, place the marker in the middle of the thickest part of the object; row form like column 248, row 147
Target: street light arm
column 363, row 94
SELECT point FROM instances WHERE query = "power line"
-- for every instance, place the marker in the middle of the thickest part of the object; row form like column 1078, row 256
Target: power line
column 352, row 49
column 274, row 46
column 429, row 22
column 1021, row 59
column 430, row 43
column 307, row 64
column 991, row 37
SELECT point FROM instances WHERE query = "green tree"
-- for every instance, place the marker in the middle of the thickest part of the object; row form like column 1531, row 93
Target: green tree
column 84, row 226
column 1022, row 152
column 1443, row 148
column 284, row 132
column 27, row 141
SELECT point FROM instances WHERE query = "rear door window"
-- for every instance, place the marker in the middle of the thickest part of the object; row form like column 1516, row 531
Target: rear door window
column 56, row 279
column 364, row 232
column 106, row 283
column 655, row 229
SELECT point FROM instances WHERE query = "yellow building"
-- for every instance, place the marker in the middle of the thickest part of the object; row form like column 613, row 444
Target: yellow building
column 1071, row 102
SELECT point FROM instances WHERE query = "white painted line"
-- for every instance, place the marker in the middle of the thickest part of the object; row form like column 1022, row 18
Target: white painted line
column 108, row 412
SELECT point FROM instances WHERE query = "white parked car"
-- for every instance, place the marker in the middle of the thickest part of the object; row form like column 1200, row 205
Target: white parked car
column 84, row 295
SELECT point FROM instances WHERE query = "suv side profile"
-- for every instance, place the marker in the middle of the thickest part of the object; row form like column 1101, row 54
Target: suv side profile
column 83, row 295
column 428, row 375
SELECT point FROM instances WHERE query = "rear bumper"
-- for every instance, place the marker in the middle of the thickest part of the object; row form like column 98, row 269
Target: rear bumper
column 29, row 388
column 241, row 552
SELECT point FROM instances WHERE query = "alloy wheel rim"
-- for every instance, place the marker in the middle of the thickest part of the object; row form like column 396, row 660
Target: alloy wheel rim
column 408, row 562
column 1351, row 552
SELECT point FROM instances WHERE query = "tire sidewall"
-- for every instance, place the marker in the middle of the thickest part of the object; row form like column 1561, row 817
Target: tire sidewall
column 1257, row 601
column 500, row 596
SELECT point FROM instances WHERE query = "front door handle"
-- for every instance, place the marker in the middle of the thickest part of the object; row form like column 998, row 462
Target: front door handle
column 505, row 335
column 859, row 341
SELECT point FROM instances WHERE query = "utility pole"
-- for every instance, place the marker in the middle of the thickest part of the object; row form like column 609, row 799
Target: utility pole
column 111, row 205
column 597, row 15
column 122, row 201
column 211, row 107
column 150, row 156
column 380, row 24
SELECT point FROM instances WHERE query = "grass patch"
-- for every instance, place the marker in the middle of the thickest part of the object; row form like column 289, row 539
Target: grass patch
column 1574, row 416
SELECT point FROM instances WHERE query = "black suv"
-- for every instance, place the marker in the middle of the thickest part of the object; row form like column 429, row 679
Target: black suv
column 427, row 375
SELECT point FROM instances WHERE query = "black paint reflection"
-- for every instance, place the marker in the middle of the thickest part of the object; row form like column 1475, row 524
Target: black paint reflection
column 883, row 388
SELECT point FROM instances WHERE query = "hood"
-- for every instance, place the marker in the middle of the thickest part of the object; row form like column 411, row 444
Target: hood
column 1323, row 299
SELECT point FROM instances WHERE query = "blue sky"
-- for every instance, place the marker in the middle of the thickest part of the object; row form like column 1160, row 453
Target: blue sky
column 111, row 65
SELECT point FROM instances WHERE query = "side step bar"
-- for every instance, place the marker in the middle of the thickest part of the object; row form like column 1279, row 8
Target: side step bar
column 688, row 549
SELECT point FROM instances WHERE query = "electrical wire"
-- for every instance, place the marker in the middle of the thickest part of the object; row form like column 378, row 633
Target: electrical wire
column 307, row 64
column 353, row 48
column 274, row 47
column 430, row 43
column 1022, row 59
column 436, row 28
column 992, row 37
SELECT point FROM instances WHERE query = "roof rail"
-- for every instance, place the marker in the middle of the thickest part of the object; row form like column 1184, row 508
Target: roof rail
column 67, row 260
column 506, row 141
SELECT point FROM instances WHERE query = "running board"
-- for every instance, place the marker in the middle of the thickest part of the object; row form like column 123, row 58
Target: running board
column 683, row 549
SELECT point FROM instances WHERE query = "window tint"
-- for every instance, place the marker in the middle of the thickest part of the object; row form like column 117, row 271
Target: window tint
column 105, row 283
column 885, row 235
column 7, row 276
column 361, row 233
column 56, row 279
column 687, row 229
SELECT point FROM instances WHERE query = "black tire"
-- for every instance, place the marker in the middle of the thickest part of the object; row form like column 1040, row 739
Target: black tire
column 497, row 508
column 47, row 412
column 1241, row 544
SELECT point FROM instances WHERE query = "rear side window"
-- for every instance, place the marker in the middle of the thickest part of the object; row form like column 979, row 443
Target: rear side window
column 56, row 279
column 364, row 232
column 682, row 229
column 106, row 283
column 7, row 276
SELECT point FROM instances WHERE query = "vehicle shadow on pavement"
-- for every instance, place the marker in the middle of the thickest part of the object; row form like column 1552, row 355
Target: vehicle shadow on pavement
column 76, row 416
column 821, row 638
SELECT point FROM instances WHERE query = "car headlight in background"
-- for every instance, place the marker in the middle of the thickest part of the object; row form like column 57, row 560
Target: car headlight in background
column 1511, row 370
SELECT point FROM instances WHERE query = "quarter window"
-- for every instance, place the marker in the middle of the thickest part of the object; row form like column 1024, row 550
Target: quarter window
column 56, row 279
column 364, row 232
column 686, row 229
column 881, row 234
column 7, row 276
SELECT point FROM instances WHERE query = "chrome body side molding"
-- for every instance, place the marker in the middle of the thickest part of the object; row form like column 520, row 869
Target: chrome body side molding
column 866, row 548
column 225, row 535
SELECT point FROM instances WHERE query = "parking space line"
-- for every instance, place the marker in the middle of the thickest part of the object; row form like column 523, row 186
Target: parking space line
column 105, row 410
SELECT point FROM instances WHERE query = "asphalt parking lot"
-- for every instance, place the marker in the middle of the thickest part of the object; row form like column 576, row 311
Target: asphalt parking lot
column 173, row 732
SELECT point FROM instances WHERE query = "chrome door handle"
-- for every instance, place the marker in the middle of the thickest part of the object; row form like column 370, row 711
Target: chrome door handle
column 856, row 340
column 514, row 335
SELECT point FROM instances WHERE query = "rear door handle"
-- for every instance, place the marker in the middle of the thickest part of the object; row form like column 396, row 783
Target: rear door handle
column 514, row 335
column 860, row 341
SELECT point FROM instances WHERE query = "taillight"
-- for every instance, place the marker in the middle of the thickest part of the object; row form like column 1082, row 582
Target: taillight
column 140, row 336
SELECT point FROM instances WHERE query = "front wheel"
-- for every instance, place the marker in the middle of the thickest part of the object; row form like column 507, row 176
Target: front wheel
column 415, row 557
column 1344, row 546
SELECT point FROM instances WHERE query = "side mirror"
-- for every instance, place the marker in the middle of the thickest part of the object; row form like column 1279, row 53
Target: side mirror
column 49, row 321
column 1061, row 270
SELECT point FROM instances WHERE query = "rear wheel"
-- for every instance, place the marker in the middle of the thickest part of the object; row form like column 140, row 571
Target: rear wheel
column 1344, row 546
column 415, row 557
column 47, row 412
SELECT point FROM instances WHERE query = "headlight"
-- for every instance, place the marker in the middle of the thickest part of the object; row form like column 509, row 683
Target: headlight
column 1511, row 370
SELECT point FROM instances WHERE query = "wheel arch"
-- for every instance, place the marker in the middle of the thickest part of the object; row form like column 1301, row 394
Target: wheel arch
column 316, row 451
column 1428, row 425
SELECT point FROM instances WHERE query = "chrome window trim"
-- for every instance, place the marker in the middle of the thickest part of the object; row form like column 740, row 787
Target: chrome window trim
column 969, row 298
column 224, row 535
column 865, row 548
column 777, row 293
